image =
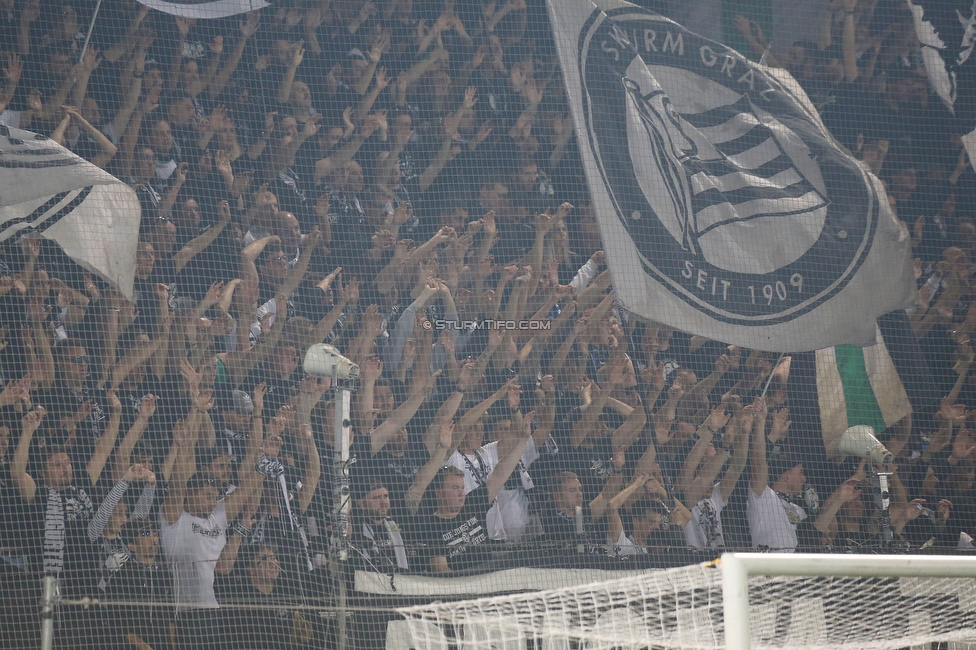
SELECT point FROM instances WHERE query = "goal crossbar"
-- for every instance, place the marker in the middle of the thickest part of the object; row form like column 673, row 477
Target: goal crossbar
column 737, row 567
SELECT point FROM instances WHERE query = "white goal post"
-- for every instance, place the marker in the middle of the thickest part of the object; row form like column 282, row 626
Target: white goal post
column 743, row 600
column 737, row 567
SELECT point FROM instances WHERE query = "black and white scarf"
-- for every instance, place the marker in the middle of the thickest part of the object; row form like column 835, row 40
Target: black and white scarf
column 54, row 535
column 60, row 511
column 709, row 520
column 395, row 540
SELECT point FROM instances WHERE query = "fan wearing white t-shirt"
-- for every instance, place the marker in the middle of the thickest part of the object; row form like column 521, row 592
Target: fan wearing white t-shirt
column 702, row 467
column 772, row 513
column 194, row 524
column 509, row 518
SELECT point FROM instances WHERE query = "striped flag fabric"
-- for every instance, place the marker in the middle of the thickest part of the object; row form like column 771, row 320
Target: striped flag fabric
column 858, row 385
column 946, row 31
column 726, row 208
column 206, row 9
column 92, row 215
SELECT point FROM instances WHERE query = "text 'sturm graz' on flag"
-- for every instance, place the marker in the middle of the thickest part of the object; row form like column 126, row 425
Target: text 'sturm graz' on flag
column 726, row 208
column 46, row 189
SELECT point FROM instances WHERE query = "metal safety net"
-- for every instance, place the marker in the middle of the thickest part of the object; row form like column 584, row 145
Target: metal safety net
column 310, row 310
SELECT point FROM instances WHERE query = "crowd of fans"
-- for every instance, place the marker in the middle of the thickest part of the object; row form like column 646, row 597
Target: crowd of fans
column 380, row 176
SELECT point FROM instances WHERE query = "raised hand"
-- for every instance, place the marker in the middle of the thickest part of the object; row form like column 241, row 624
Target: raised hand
column 469, row 97
column 963, row 446
column 91, row 59
column 140, row 473
column 379, row 47
column 432, row 380
column 513, row 394
column 350, row 290
column 781, row 424
column 952, row 412
column 372, row 368
column 850, row 490
column 16, row 391
column 257, row 397
column 298, row 55
column 276, row 426
column 315, row 386
column 184, row 25
column 203, row 400
column 31, row 11
column 717, row 419
column 182, row 436
column 32, row 420
column 272, row 445
column 189, row 373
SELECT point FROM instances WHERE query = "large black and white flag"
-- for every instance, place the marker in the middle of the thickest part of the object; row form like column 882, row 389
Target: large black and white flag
column 946, row 31
column 47, row 189
column 205, row 9
column 726, row 208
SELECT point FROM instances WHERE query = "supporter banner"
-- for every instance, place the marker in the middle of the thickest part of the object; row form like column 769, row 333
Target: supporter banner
column 858, row 386
column 484, row 584
column 90, row 213
column 204, row 8
column 726, row 208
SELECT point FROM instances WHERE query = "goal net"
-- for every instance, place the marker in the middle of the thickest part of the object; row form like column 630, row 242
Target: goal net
column 685, row 608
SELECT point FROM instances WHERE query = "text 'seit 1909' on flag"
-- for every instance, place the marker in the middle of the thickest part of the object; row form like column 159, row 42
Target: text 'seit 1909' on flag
column 726, row 208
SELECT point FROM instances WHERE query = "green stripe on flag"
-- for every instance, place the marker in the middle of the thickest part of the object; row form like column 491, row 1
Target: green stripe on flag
column 862, row 406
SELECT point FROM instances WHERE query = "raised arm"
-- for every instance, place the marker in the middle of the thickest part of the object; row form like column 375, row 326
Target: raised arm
column 248, row 29
column 848, row 491
column 135, row 473
column 296, row 275
column 398, row 419
column 197, row 245
column 740, row 454
column 185, row 435
column 507, row 464
column 614, row 524
column 313, row 470
column 348, row 295
column 267, row 465
column 124, row 453
column 759, row 480
column 239, row 364
column 415, row 492
column 18, row 466
column 584, row 426
column 228, row 554
column 444, row 416
column 106, row 442
column 627, row 433
column 598, row 506
column 478, row 411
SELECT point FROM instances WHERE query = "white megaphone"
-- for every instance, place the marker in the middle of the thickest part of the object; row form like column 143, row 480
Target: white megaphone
column 859, row 441
column 323, row 360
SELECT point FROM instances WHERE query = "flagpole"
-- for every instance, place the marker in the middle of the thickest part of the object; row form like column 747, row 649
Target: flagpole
column 770, row 378
column 91, row 26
